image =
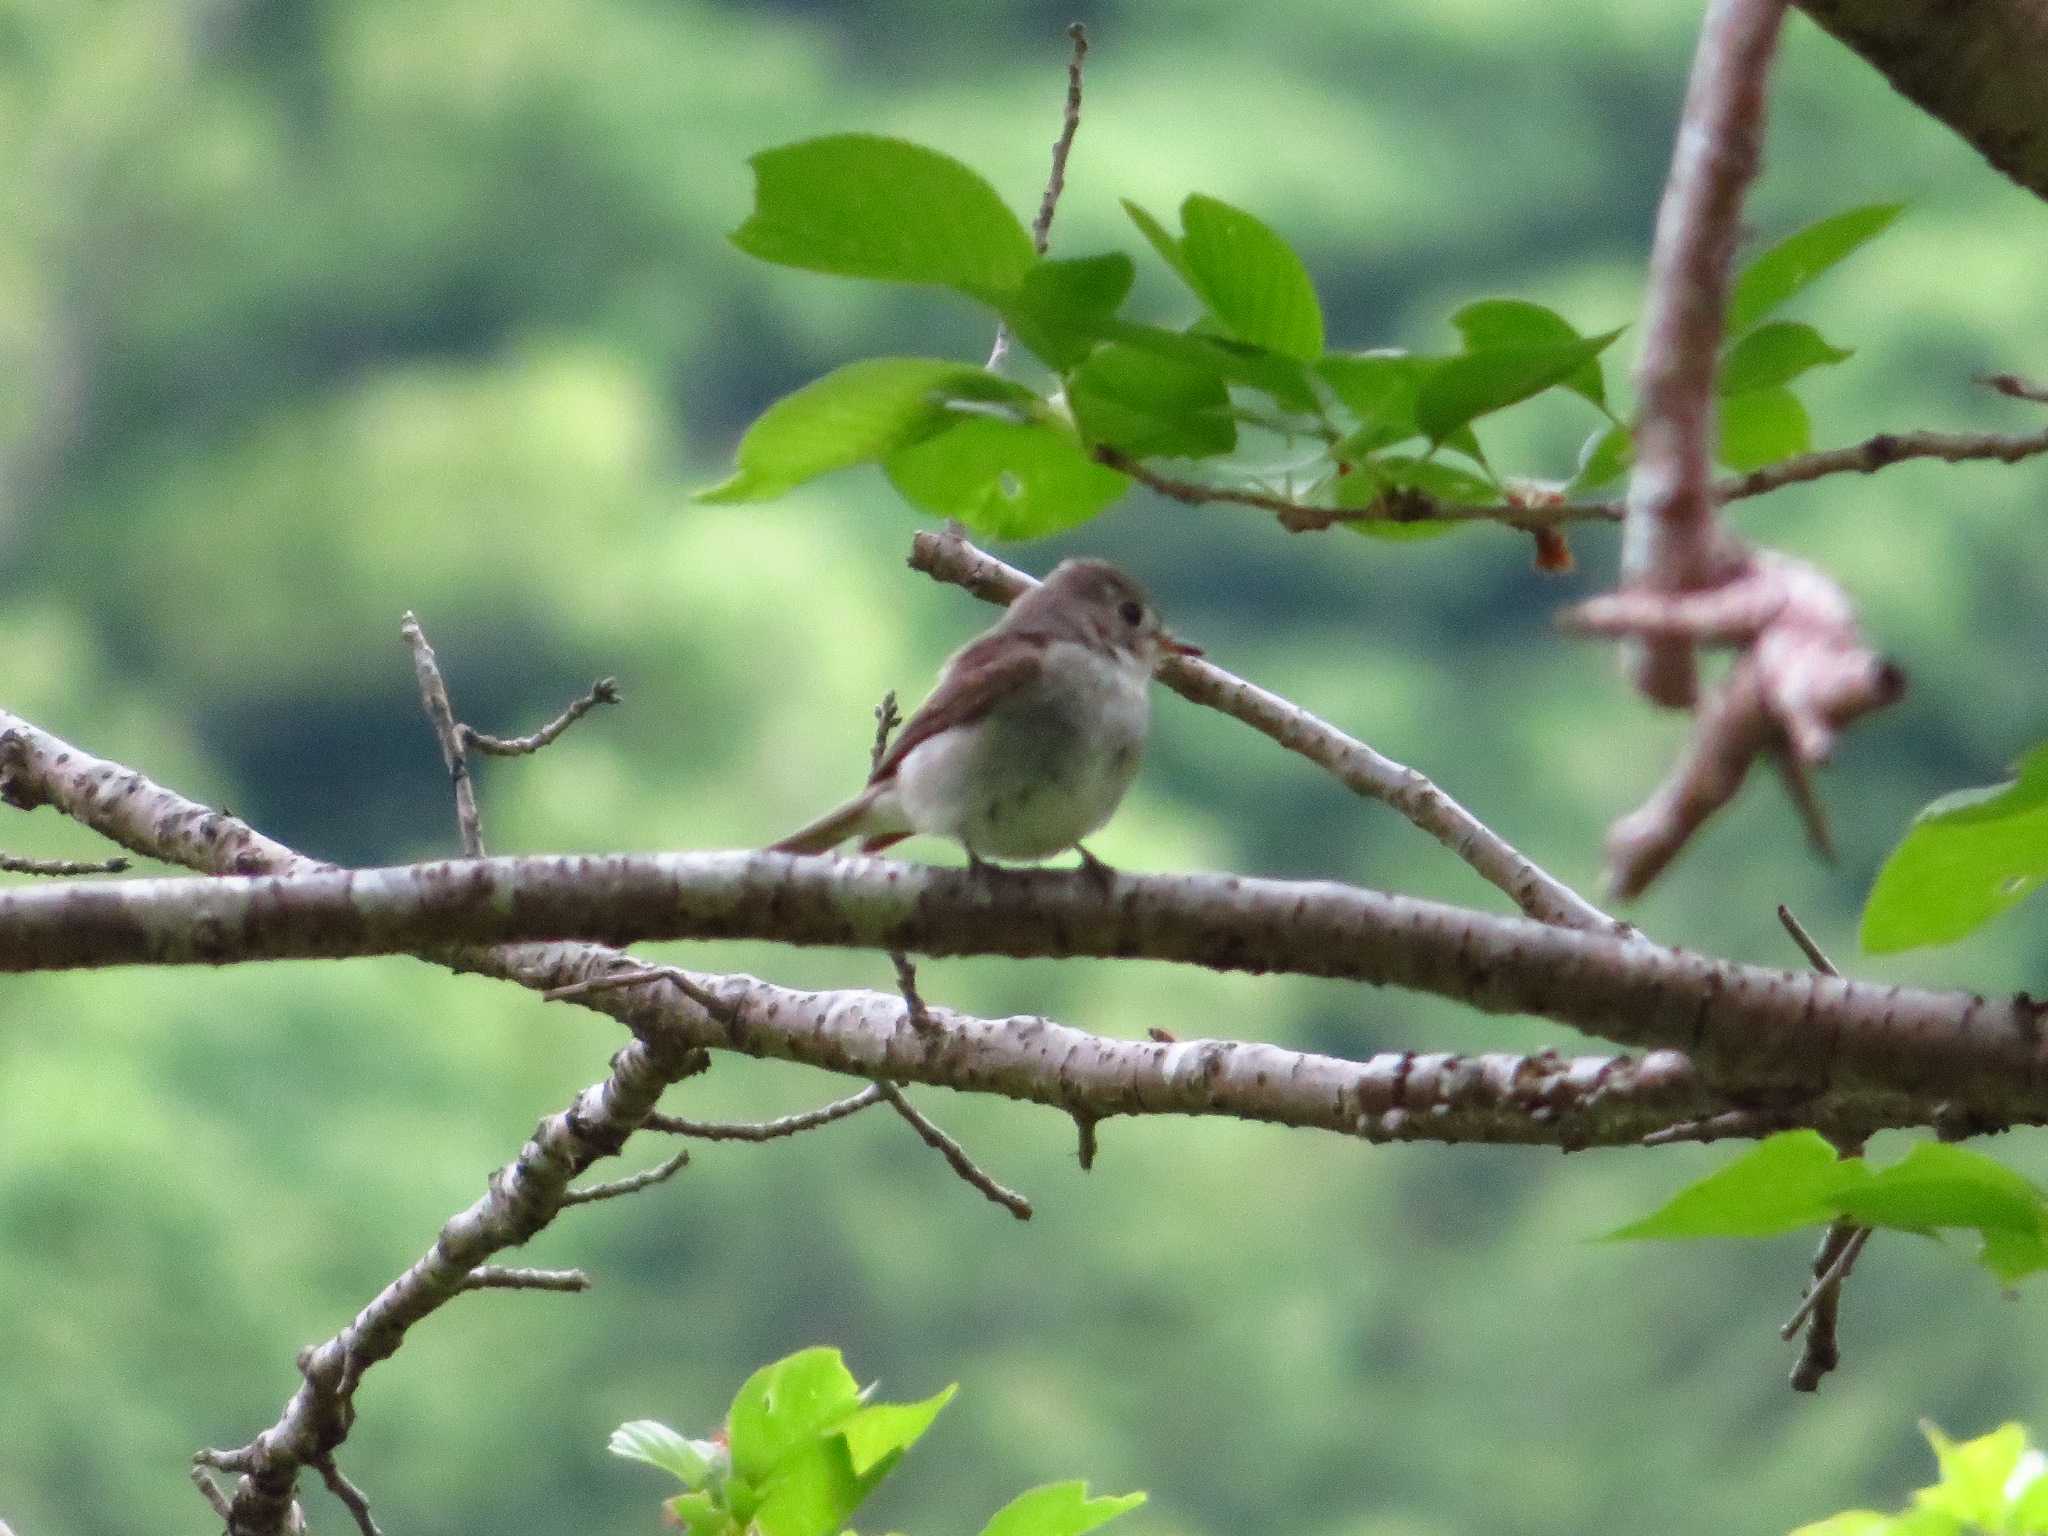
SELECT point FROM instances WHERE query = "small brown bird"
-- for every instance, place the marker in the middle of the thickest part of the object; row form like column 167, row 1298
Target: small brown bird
column 1032, row 735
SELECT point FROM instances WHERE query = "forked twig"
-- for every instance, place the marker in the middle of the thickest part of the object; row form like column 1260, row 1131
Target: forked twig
column 955, row 1154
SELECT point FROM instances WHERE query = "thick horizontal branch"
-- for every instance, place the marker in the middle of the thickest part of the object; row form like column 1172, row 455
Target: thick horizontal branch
column 1741, row 1023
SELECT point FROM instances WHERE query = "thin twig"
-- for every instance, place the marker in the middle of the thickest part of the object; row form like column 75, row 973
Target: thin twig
column 16, row 864
column 1084, row 1140
column 632, row 1184
column 604, row 691
column 350, row 1495
column 2020, row 389
column 1070, row 124
column 887, row 718
column 209, row 1490
column 1820, row 1312
column 434, row 699
column 681, row 980
column 1534, row 513
column 1048, row 204
column 767, row 1130
column 503, row 1277
column 1830, row 1270
column 954, row 1153
column 906, row 983
column 1814, row 955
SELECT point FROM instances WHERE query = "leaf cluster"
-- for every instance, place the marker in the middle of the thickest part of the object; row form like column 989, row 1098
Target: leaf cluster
column 1368, row 432
column 803, row 1447
column 1797, row 1179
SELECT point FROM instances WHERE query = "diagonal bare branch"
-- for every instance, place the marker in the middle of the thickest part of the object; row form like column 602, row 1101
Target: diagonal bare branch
column 947, row 557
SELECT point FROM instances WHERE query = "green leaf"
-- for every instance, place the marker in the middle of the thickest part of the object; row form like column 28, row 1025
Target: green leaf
column 1519, row 323
column 860, row 205
column 1762, row 426
column 1973, row 1475
column 1058, row 1509
column 1150, row 404
column 1234, row 361
column 813, row 1490
column 698, row 1514
column 1776, row 354
column 1373, row 478
column 1059, row 310
column 1250, row 278
column 2028, row 1514
column 882, row 1430
column 1784, row 269
column 853, row 415
column 1005, row 479
column 1470, row 385
column 1967, row 857
column 1379, row 388
column 1163, row 242
column 1787, row 1181
column 1606, row 457
column 787, row 1405
column 659, row 1446
column 1938, row 1184
column 1850, row 1522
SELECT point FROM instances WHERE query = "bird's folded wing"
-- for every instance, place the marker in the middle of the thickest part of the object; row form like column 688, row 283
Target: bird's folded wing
column 974, row 681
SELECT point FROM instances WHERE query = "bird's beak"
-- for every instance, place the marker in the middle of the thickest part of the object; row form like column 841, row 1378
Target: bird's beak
column 1173, row 645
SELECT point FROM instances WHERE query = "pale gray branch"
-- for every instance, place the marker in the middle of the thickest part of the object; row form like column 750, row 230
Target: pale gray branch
column 1743, row 1023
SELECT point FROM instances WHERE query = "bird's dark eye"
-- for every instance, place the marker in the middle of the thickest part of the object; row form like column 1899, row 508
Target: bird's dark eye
column 1131, row 613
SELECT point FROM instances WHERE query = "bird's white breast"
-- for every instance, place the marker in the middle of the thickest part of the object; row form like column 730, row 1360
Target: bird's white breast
column 1043, row 768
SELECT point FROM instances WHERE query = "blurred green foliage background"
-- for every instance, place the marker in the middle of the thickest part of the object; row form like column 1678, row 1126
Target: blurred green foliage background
column 318, row 310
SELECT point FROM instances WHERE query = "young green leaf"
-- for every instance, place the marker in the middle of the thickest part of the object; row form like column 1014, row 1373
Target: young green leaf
column 1762, row 426
column 656, row 1444
column 1605, row 458
column 880, row 1431
column 1161, row 240
column 1379, row 388
column 1519, row 323
column 1472, row 384
column 1373, row 479
column 1149, row 404
column 1060, row 308
column 860, row 205
column 1974, row 1475
column 1058, row 1509
column 853, row 415
column 1797, row 260
column 1004, row 479
column 1236, row 362
column 1788, row 1181
column 1938, row 1184
column 787, row 1405
column 698, row 1514
column 813, row 1489
column 1250, row 278
column 1856, row 1522
column 1776, row 354
column 1967, row 857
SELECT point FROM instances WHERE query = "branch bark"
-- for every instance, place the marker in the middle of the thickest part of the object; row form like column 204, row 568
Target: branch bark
column 1975, row 65
column 1797, row 1034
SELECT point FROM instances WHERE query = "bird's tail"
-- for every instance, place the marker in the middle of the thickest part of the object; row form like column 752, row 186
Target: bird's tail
column 836, row 826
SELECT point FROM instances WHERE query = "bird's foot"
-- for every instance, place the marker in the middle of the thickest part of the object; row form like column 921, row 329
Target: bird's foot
column 1099, row 874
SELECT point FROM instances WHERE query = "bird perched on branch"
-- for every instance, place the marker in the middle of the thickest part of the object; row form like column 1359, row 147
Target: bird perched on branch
column 1032, row 735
